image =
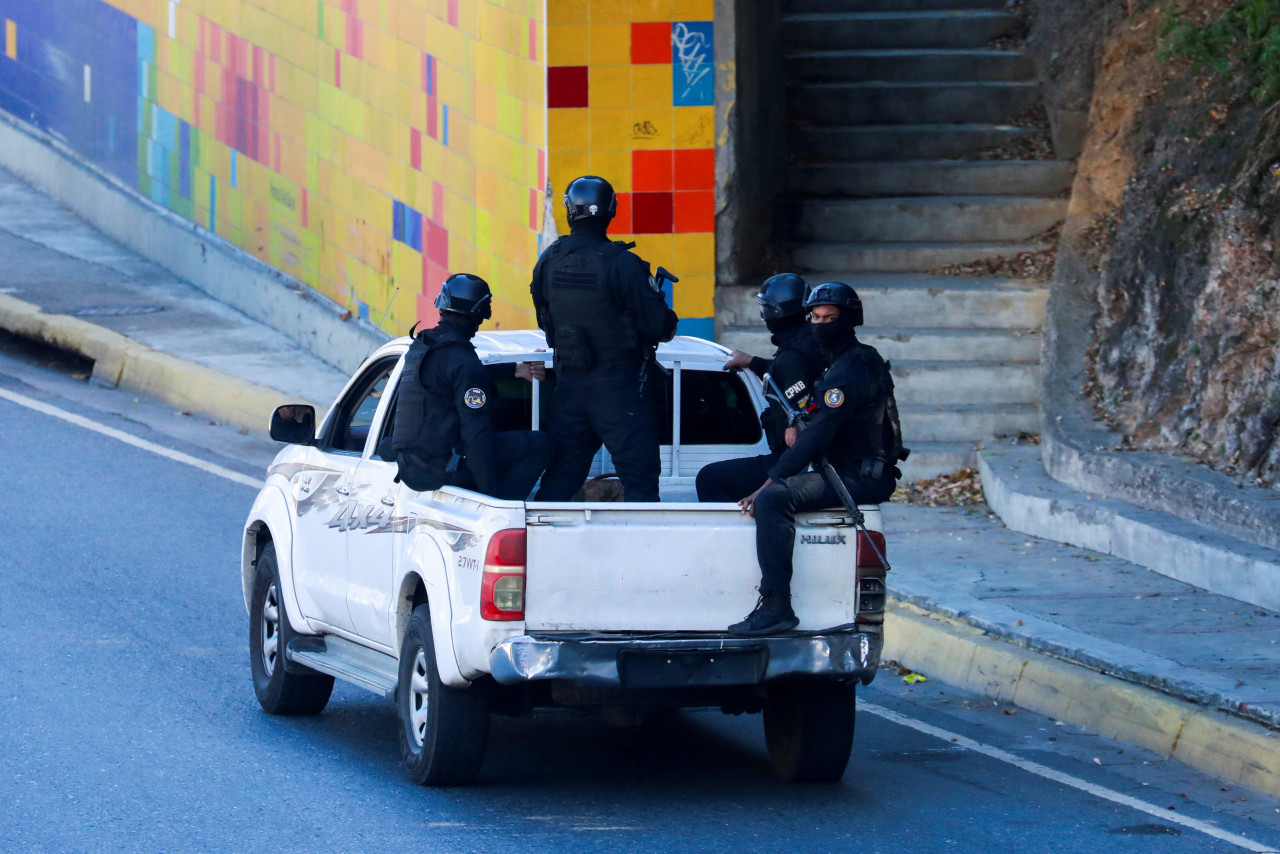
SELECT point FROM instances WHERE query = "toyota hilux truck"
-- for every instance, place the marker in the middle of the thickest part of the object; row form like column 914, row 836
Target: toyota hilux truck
column 456, row 605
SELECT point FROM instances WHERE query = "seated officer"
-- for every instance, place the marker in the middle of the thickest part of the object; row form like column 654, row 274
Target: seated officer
column 443, row 432
column 854, row 428
column 795, row 367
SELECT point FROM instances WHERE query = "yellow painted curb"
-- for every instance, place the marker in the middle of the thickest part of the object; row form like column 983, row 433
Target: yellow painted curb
column 123, row 362
column 1241, row 751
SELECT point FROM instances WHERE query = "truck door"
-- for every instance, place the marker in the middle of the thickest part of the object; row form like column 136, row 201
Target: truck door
column 372, row 539
column 326, row 512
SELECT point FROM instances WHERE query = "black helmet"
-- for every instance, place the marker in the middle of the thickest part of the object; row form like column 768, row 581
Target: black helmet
column 782, row 296
column 841, row 296
column 590, row 196
column 466, row 294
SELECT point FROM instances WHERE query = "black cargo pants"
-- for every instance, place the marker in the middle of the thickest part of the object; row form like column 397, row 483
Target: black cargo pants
column 776, row 509
column 605, row 406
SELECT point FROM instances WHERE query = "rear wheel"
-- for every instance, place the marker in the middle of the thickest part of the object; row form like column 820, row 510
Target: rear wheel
column 280, row 690
column 443, row 731
column 809, row 731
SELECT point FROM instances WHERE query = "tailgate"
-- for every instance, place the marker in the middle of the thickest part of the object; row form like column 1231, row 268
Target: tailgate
column 674, row 567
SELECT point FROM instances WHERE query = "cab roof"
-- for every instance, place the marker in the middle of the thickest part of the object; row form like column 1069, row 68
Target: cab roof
column 520, row 342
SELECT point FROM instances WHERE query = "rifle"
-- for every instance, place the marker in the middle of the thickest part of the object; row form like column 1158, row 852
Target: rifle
column 828, row 471
column 660, row 279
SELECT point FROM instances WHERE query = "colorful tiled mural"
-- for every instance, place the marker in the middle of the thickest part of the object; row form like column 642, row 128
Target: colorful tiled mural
column 630, row 94
column 370, row 147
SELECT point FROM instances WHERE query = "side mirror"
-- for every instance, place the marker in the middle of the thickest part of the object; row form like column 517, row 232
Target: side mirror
column 294, row 423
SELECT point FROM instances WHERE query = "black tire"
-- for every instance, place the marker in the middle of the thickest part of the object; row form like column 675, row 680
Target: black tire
column 443, row 731
column 281, row 689
column 809, row 731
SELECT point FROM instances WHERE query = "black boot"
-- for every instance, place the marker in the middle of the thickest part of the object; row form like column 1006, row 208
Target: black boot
column 772, row 614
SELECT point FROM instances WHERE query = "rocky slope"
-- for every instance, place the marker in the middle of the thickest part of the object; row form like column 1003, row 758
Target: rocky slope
column 1174, row 229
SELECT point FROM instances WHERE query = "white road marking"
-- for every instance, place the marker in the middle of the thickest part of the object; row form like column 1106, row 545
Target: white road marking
column 1066, row 779
column 128, row 439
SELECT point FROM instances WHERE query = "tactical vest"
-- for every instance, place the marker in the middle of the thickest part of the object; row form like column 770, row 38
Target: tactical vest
column 425, row 421
column 874, row 432
column 591, row 327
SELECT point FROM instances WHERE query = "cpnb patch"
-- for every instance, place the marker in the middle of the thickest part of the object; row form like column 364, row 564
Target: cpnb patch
column 834, row 397
column 474, row 398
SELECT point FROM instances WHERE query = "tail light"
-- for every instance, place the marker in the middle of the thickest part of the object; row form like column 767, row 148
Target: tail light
column 502, row 585
column 871, row 550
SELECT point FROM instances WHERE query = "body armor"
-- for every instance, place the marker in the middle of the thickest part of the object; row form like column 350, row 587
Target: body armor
column 874, row 432
column 590, row 327
column 425, row 418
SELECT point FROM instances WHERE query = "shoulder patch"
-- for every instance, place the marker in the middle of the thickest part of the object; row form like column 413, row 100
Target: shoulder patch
column 833, row 398
column 474, row 398
column 653, row 283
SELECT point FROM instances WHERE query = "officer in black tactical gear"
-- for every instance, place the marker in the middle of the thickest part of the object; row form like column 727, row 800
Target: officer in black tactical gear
column 604, row 314
column 853, row 425
column 443, row 432
column 795, row 367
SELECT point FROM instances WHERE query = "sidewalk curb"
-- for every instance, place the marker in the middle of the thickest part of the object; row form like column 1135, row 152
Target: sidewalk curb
column 1167, row 544
column 966, row 657
column 124, row 363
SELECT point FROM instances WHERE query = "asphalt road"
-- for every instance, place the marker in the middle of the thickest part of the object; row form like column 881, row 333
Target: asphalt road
column 128, row 721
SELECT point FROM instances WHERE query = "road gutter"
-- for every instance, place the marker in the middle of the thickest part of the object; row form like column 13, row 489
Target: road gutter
column 966, row 657
column 121, row 362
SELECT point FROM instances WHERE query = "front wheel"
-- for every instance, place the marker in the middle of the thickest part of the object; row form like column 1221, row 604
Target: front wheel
column 280, row 690
column 809, row 731
column 443, row 731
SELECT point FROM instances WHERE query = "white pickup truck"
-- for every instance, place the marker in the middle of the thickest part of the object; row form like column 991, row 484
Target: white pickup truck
column 456, row 604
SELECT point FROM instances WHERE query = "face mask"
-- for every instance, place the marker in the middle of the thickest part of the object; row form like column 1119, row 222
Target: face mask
column 829, row 335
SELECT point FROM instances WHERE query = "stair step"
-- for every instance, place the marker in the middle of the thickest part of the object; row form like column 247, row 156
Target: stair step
column 966, row 422
column 941, row 383
column 843, row 103
column 901, row 257
column 811, row 6
column 886, row 29
column 910, row 302
column 910, row 65
column 1044, row 178
column 905, row 142
column 930, row 459
column 995, row 219
column 941, row 343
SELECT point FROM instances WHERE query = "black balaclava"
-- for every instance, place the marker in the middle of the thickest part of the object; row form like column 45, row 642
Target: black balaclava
column 835, row 335
column 461, row 322
column 783, row 325
column 592, row 226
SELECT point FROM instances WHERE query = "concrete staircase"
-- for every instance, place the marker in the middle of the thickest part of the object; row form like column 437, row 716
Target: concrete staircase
column 904, row 159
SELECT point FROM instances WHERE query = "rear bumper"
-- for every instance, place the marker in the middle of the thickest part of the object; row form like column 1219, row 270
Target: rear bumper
column 630, row 661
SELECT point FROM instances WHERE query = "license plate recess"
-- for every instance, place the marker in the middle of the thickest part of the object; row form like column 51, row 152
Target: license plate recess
column 674, row 668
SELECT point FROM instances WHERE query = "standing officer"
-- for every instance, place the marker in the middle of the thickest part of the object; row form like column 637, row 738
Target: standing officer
column 443, row 431
column 795, row 367
column 855, row 427
column 604, row 314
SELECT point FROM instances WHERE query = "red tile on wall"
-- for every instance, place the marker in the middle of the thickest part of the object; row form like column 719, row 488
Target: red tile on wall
column 651, row 170
column 651, row 43
column 567, row 86
column 622, row 218
column 695, row 169
column 651, row 213
column 695, row 211
column 437, row 244
column 415, row 148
